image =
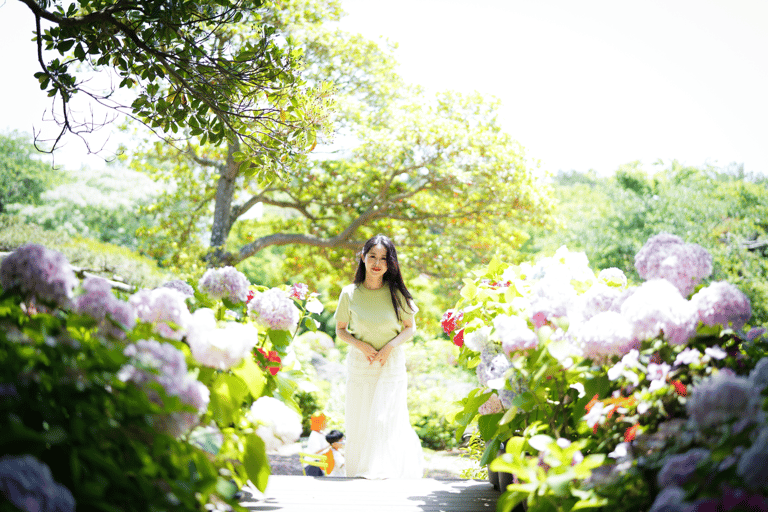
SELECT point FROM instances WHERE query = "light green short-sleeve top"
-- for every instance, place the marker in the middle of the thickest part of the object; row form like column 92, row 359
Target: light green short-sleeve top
column 369, row 314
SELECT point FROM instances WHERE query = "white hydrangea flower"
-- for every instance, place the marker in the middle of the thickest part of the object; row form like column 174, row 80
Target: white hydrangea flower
column 657, row 307
column 478, row 339
column 514, row 333
column 221, row 347
column 688, row 356
column 275, row 310
column 613, row 277
column 604, row 335
column 277, row 424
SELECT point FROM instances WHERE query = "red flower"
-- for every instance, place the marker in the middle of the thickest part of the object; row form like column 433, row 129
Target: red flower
column 299, row 291
column 631, row 432
column 250, row 297
column 273, row 361
column 680, row 388
column 458, row 338
column 451, row 319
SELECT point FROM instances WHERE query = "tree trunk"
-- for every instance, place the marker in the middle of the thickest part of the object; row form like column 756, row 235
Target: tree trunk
column 222, row 213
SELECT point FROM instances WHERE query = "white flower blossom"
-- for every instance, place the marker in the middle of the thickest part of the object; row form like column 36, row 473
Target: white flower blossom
column 604, row 335
column 514, row 333
column 657, row 307
column 275, row 310
column 221, row 347
column 715, row 353
column 276, row 424
column 688, row 356
column 165, row 309
column 723, row 304
column 478, row 339
column 613, row 277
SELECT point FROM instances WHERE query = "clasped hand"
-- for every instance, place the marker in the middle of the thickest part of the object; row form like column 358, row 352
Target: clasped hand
column 377, row 356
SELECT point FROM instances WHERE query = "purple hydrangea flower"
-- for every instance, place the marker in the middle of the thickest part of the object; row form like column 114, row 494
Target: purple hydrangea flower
column 40, row 273
column 666, row 256
column 114, row 316
column 493, row 370
column 180, row 286
column 759, row 375
column 275, row 310
column 657, row 307
column 752, row 465
column 152, row 361
column 722, row 399
column 723, row 304
column 228, row 282
column 28, row 484
column 678, row 469
column 165, row 308
column 671, row 499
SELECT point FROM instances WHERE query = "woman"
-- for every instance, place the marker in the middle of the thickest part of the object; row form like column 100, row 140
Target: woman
column 375, row 316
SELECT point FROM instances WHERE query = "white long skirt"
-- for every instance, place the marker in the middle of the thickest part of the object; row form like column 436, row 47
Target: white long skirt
column 380, row 440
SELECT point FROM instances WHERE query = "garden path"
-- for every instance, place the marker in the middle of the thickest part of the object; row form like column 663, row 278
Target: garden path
column 287, row 493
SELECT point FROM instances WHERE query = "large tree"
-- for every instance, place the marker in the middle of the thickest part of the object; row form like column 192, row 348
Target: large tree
column 24, row 173
column 209, row 68
column 436, row 172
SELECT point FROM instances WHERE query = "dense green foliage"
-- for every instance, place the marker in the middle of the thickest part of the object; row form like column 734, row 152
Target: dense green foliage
column 725, row 211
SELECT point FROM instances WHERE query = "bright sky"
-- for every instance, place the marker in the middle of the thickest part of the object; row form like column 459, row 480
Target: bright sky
column 585, row 84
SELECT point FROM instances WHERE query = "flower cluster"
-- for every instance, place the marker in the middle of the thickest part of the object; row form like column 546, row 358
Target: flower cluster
column 221, row 347
column 162, row 363
column 226, row 282
column 28, row 484
column 722, row 304
column 180, row 286
column 275, row 310
column 115, row 316
column 39, row 273
column 276, row 424
column 666, row 256
column 165, row 309
column 299, row 291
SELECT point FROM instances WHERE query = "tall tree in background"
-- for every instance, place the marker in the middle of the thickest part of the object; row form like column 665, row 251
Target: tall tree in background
column 208, row 68
column 724, row 210
column 24, row 174
column 437, row 173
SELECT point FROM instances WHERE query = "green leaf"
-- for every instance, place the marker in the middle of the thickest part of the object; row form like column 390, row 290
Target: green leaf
column 280, row 340
column 256, row 462
column 252, row 375
column 488, row 424
column 469, row 291
column 491, row 451
column 227, row 395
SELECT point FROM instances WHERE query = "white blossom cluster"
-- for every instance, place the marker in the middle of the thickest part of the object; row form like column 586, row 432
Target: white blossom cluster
column 28, row 484
column 666, row 256
column 165, row 309
column 115, row 316
column 225, row 282
column 39, row 273
column 221, row 347
column 275, row 310
column 276, row 423
column 164, row 364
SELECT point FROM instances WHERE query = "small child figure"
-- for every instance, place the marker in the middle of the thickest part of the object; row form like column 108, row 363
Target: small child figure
column 316, row 442
column 335, row 454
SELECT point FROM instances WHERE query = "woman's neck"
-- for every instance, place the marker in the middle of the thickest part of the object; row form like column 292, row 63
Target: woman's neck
column 373, row 283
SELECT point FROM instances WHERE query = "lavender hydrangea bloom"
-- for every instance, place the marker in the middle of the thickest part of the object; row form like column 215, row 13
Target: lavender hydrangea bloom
column 759, row 375
column 490, row 373
column 219, row 347
column 723, row 304
column 604, row 335
column 275, row 310
column 657, row 307
column 114, row 316
column 152, row 361
column 165, row 308
column 722, row 399
column 598, row 299
column 678, row 469
column 514, row 333
column 228, row 282
column 666, row 256
column 40, row 273
column 752, row 465
column 180, row 286
column 28, row 484
column 671, row 499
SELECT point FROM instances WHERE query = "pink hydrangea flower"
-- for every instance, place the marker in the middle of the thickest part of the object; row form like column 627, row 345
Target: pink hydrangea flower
column 515, row 334
column 275, row 310
column 228, row 282
column 723, row 304
column 605, row 335
column 491, row 406
column 657, row 307
column 114, row 316
column 39, row 273
column 299, row 291
column 165, row 308
column 666, row 256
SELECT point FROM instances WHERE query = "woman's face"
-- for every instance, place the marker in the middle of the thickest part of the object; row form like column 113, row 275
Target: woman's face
column 375, row 261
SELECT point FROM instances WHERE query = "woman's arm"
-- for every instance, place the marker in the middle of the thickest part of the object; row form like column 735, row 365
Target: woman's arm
column 404, row 335
column 342, row 333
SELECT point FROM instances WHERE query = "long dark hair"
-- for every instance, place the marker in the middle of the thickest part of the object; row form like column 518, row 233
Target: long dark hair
column 392, row 277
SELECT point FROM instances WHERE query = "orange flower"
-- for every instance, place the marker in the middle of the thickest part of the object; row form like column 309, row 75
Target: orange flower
column 680, row 388
column 591, row 403
column 630, row 433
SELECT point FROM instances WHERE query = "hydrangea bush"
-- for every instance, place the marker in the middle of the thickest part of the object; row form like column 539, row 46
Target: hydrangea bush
column 606, row 394
column 140, row 402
